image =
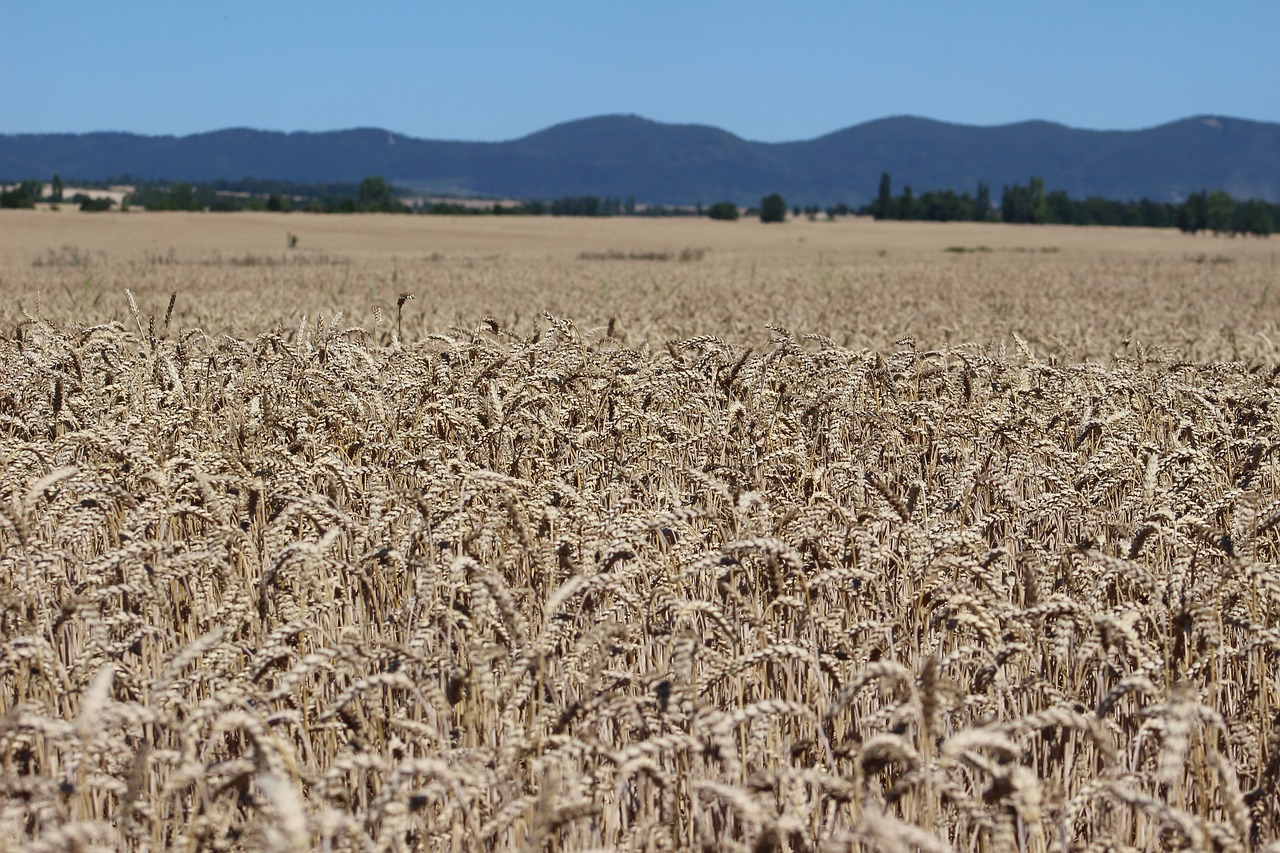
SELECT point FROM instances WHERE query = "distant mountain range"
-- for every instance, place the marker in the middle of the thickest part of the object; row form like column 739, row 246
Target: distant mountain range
column 629, row 156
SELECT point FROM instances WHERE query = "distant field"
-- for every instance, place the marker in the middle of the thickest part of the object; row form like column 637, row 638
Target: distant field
column 638, row 535
column 1073, row 290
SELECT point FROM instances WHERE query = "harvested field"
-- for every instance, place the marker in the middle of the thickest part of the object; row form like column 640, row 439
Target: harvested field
column 827, row 536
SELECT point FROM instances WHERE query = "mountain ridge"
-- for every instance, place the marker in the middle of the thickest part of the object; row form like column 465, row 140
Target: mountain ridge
column 625, row 155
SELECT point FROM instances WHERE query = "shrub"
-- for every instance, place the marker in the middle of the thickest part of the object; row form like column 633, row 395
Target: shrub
column 95, row 205
column 25, row 194
column 773, row 208
column 724, row 210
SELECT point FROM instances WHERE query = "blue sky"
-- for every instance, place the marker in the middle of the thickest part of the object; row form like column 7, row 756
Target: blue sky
column 768, row 71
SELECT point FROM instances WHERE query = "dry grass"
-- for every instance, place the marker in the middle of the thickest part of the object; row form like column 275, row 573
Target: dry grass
column 458, row 574
column 863, row 284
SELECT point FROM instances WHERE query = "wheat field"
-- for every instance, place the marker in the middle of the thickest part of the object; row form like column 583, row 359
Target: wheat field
column 470, row 535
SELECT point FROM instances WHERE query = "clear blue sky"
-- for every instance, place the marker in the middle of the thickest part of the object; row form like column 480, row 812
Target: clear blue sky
column 770, row 71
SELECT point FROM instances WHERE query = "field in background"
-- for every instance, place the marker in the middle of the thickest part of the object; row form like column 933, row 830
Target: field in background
column 1072, row 291
column 641, row 535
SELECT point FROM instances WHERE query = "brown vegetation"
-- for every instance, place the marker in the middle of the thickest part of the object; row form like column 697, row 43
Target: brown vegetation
column 795, row 546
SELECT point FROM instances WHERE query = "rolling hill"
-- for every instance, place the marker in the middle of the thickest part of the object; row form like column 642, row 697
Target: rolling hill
column 626, row 156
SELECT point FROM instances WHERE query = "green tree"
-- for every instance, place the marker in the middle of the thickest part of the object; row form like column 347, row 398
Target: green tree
column 982, row 205
column 723, row 210
column 1155, row 214
column 182, row 196
column 96, row 205
column 1060, row 209
column 1036, row 210
column 376, row 195
column 1219, row 211
column 945, row 206
column 1252, row 217
column 909, row 209
column 1261, row 223
column 883, row 206
column 1193, row 214
column 25, row 194
column 773, row 208
column 55, row 188
column 1015, row 204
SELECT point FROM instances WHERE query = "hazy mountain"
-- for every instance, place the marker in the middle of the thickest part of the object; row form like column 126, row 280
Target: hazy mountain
column 630, row 156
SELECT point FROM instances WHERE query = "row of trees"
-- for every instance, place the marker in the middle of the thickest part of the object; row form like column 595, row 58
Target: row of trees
column 1214, row 211
column 773, row 208
column 372, row 195
column 26, row 194
column 935, row 206
column 1220, row 213
column 589, row 205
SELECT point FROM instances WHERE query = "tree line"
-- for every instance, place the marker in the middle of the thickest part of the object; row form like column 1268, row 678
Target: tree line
column 1214, row 211
column 372, row 195
column 27, row 193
